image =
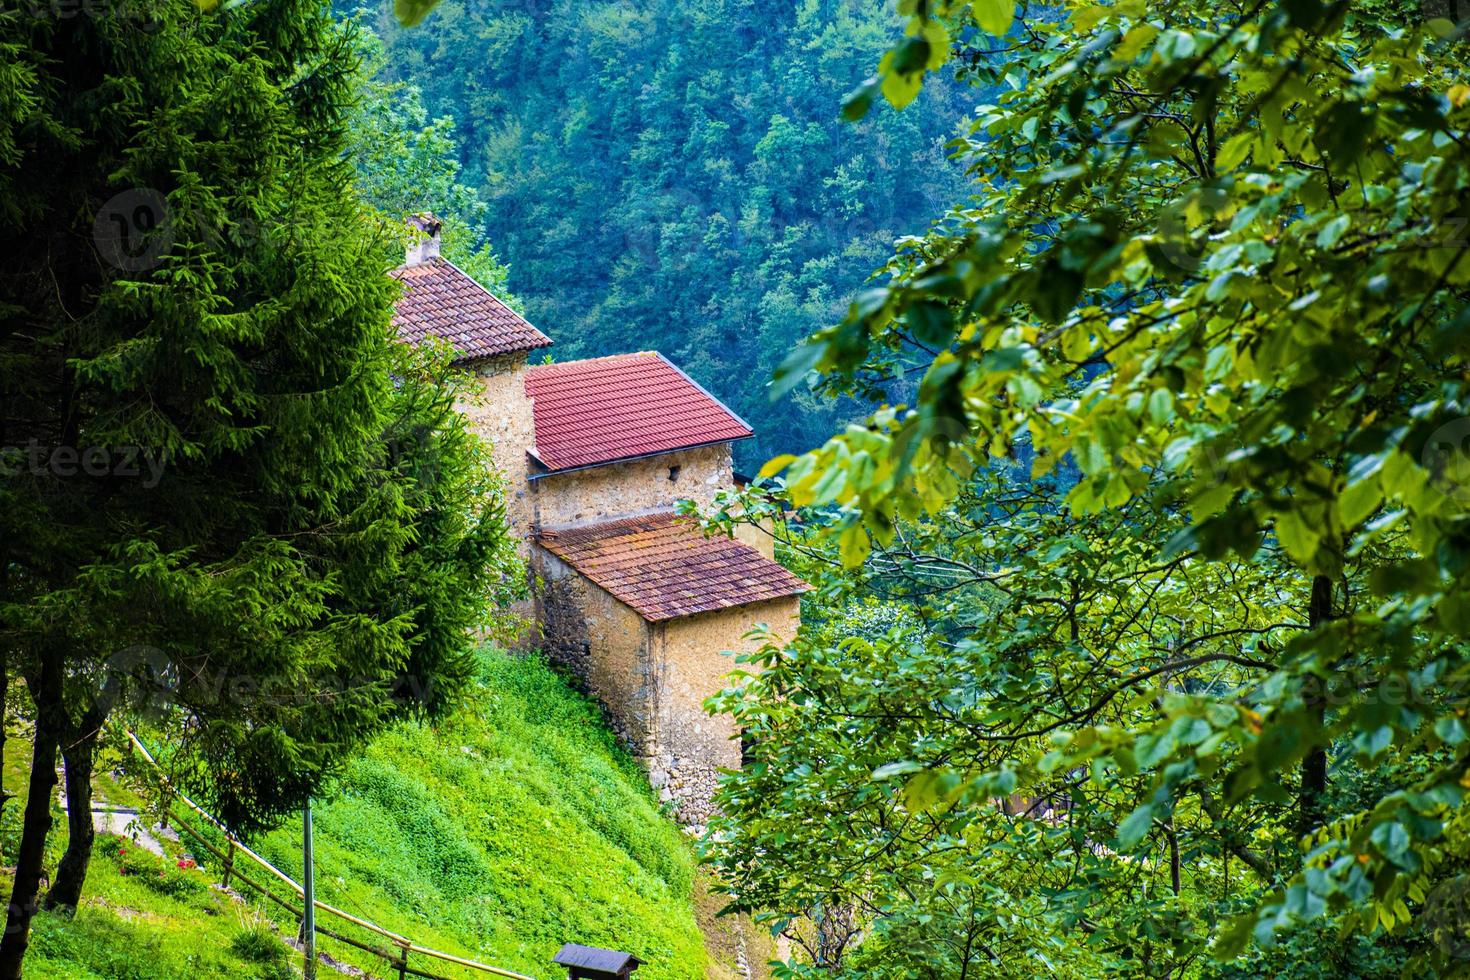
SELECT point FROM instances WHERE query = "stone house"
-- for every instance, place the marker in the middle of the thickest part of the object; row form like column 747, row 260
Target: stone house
column 632, row 598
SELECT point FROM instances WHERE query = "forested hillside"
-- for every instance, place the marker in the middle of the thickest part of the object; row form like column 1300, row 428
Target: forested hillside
column 677, row 176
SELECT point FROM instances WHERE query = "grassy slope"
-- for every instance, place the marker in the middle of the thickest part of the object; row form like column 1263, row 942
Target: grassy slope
column 514, row 827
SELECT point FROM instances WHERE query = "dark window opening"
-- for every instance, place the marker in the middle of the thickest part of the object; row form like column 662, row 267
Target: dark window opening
column 673, row 473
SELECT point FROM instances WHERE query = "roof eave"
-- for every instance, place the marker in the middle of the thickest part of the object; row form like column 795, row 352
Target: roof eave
column 465, row 360
column 629, row 459
column 794, row 594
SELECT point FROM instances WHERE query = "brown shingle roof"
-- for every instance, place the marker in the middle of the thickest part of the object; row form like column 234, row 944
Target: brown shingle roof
column 439, row 300
column 664, row 567
column 612, row 408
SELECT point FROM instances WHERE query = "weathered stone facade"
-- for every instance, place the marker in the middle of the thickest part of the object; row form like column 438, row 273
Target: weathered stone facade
column 692, row 658
column 654, row 678
column 499, row 411
column 633, row 487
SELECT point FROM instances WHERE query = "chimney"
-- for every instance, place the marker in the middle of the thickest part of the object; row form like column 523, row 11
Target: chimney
column 423, row 245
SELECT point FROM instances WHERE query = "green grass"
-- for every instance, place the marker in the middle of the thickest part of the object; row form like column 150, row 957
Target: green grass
column 513, row 827
column 137, row 923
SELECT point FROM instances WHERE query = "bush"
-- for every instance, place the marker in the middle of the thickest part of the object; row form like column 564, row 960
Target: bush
column 157, row 874
column 259, row 943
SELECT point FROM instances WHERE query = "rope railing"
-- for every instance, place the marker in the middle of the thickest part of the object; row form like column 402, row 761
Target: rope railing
column 403, row 945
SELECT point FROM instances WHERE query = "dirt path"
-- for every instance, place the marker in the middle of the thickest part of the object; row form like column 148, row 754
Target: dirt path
column 124, row 821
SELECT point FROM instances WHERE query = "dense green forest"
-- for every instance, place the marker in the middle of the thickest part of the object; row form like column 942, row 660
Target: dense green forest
column 678, row 176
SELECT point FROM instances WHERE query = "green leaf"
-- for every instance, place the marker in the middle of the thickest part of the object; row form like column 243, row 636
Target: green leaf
column 911, row 56
column 1391, row 839
column 1235, row 150
column 891, row 769
column 1138, row 36
column 1296, row 536
column 1087, row 18
column 900, row 89
column 1332, row 231
column 1161, row 406
column 775, row 465
column 994, row 16
column 410, row 13
column 1441, row 27
column 1358, row 501
column 853, row 546
column 1233, row 939
column 860, row 100
column 1450, row 730
column 929, row 788
column 1135, row 827
column 795, row 368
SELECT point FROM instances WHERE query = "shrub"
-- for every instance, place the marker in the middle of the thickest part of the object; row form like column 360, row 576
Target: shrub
column 159, row 876
column 259, row 943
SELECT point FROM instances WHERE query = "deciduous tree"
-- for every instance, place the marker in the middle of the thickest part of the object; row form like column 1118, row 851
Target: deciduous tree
column 1210, row 300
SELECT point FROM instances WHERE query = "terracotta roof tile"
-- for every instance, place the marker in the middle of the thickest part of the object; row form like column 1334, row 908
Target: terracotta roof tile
column 664, row 567
column 611, row 408
column 441, row 301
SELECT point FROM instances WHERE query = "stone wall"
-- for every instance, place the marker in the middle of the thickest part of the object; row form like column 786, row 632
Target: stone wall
column 604, row 644
column 690, row 747
column 605, row 493
column 499, row 411
column 652, row 679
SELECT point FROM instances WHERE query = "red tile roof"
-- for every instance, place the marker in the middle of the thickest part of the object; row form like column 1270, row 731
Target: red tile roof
column 664, row 567
column 613, row 408
column 441, row 301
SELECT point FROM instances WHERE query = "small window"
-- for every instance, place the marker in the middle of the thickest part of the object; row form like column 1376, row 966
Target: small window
column 673, row 473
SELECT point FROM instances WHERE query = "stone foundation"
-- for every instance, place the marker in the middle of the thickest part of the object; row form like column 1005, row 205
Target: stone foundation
column 652, row 679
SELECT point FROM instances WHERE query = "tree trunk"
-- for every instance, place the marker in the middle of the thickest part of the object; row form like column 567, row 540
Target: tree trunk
column 4, row 674
column 1174, row 870
column 71, row 870
column 1314, row 766
column 1455, row 10
column 50, row 725
column 4, row 718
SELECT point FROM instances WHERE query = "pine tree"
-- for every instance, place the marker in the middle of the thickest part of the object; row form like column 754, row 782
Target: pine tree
column 227, row 495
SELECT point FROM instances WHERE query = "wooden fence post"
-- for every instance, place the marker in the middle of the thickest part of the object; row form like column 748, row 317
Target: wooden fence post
column 403, row 964
column 229, row 865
